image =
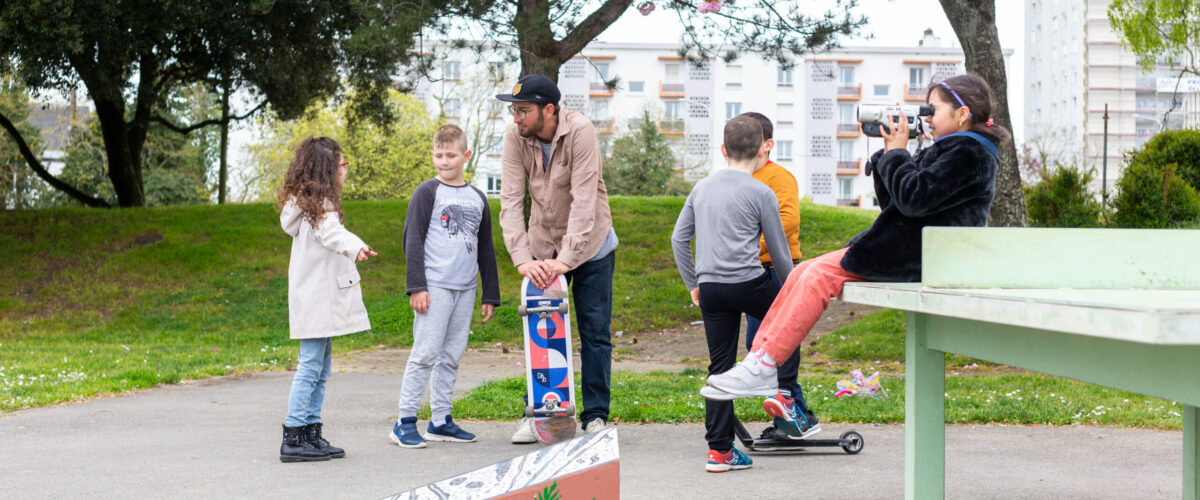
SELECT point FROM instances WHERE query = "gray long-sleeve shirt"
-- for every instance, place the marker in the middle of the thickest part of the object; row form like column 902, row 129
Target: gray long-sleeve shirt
column 726, row 213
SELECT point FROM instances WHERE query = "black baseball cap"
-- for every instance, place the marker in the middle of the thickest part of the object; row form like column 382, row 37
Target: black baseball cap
column 534, row 88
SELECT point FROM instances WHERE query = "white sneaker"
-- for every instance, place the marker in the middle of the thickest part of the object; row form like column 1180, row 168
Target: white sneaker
column 754, row 376
column 712, row 393
column 524, row 433
column 596, row 425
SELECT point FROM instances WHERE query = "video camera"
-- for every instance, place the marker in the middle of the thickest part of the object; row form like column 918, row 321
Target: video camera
column 872, row 116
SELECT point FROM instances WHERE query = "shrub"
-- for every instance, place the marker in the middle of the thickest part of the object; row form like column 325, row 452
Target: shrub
column 1062, row 200
column 1181, row 147
column 1154, row 197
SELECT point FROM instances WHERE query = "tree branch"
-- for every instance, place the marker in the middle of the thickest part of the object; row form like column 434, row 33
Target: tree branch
column 182, row 129
column 41, row 171
column 590, row 28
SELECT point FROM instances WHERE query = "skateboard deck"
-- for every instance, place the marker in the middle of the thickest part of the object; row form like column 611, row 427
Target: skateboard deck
column 549, row 373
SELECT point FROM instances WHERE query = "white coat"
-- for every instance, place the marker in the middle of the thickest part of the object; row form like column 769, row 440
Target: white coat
column 324, row 296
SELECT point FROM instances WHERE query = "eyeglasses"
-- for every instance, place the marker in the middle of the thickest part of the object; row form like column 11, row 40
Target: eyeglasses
column 519, row 113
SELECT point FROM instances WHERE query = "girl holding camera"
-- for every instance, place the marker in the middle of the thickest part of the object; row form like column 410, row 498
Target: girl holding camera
column 950, row 183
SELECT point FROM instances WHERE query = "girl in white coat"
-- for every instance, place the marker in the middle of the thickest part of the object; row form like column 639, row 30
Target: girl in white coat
column 324, row 298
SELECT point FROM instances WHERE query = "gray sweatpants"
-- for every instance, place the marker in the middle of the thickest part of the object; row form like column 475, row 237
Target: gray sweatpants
column 439, row 339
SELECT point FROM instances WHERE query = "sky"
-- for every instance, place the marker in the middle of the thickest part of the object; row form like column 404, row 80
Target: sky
column 893, row 23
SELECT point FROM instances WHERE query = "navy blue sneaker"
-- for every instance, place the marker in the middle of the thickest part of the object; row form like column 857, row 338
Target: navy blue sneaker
column 724, row 462
column 450, row 431
column 404, row 433
column 789, row 418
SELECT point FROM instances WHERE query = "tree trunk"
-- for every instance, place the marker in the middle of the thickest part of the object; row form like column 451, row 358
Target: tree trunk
column 540, row 52
column 974, row 23
column 223, row 169
column 122, row 171
column 36, row 166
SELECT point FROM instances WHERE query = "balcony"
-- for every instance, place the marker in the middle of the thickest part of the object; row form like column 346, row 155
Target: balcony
column 670, row 89
column 849, row 130
column 671, row 126
column 849, row 167
column 847, row 202
column 914, row 93
column 605, row 126
column 850, row 93
column 599, row 89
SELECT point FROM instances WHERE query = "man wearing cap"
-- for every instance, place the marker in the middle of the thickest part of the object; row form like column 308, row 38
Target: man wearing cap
column 555, row 153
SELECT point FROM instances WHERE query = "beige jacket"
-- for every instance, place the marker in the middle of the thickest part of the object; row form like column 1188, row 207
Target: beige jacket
column 570, row 215
column 324, row 297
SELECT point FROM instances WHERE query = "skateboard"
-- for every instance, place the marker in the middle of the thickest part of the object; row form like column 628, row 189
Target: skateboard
column 549, row 373
column 850, row 441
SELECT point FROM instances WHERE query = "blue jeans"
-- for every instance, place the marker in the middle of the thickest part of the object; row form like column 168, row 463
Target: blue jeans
column 591, row 290
column 308, row 386
column 791, row 367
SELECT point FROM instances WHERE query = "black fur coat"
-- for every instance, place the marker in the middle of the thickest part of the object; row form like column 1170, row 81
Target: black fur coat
column 950, row 183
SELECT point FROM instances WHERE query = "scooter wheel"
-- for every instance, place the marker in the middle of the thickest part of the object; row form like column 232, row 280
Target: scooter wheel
column 853, row 442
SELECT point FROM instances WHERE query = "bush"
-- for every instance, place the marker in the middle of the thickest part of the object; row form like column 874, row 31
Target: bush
column 1150, row 196
column 1181, row 147
column 1062, row 200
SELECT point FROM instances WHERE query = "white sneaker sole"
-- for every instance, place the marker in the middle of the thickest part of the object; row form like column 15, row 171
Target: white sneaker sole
column 725, row 467
column 737, row 393
column 445, row 439
column 713, row 394
column 395, row 439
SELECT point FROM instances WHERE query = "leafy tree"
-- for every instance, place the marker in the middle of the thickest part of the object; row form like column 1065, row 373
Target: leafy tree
column 1062, row 199
column 130, row 54
column 19, row 187
column 386, row 161
column 643, row 164
column 974, row 23
column 1160, row 31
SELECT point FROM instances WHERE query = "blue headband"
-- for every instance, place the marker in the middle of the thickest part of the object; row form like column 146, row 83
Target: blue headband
column 956, row 97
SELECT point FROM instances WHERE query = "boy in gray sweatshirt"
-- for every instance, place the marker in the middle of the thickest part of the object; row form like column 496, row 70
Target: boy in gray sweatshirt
column 726, row 213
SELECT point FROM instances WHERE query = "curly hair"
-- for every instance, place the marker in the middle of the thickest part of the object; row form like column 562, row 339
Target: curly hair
column 312, row 179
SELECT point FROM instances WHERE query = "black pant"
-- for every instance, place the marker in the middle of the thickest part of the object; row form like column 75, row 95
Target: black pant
column 722, row 305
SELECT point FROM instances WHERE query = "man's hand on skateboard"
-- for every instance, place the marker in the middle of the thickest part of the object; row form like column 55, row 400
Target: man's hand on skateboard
column 419, row 301
column 486, row 311
column 543, row 272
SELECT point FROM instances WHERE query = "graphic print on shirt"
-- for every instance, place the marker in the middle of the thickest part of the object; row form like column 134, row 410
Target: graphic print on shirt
column 461, row 222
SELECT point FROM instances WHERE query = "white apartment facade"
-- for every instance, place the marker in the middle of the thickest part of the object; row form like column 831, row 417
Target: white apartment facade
column 811, row 104
column 1075, row 65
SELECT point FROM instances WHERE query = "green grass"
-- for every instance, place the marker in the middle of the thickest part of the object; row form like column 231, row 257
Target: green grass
column 667, row 397
column 86, row 311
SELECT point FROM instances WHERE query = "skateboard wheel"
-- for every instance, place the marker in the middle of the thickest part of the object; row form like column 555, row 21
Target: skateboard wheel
column 852, row 442
column 521, row 310
column 562, row 307
column 528, row 411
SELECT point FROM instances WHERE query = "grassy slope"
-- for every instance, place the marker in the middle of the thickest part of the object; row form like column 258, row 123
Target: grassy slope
column 84, row 310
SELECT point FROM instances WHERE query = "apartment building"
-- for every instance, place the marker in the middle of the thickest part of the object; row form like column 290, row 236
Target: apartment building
column 812, row 103
column 1075, row 66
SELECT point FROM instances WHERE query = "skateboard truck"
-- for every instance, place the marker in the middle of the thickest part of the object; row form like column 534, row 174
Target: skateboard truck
column 543, row 309
column 850, row 441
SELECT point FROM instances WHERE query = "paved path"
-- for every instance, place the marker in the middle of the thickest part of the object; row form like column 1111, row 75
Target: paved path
column 219, row 438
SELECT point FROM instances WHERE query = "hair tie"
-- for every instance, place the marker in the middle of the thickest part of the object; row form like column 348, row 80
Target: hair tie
column 990, row 122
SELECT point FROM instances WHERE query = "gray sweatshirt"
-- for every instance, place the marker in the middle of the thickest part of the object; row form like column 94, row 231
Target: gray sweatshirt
column 726, row 213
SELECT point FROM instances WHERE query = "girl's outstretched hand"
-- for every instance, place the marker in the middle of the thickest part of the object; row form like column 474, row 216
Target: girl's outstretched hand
column 897, row 138
column 364, row 253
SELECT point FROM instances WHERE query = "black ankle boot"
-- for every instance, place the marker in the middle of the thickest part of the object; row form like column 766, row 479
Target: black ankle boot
column 314, row 436
column 296, row 448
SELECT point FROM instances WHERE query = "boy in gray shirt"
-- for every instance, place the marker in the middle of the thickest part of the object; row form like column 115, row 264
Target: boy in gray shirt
column 447, row 240
column 726, row 213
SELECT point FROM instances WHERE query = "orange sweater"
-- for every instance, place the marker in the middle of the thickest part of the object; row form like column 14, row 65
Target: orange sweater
column 787, row 192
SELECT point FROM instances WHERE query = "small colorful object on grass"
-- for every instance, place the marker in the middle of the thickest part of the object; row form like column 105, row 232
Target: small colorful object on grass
column 707, row 7
column 859, row 385
column 646, row 8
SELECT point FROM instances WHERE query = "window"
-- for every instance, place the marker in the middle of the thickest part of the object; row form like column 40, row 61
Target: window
column 672, row 73
column 846, row 188
column 733, row 76
column 601, row 74
column 452, row 70
column 636, row 87
column 453, row 107
column 600, row 110
column 847, row 76
column 783, row 150
column 493, row 184
column 916, row 78
column 732, row 109
column 881, row 90
column 496, row 70
column 845, row 114
column 845, row 151
column 785, row 113
column 674, row 110
column 783, row 77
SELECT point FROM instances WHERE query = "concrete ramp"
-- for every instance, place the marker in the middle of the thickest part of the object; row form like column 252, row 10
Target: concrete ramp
column 585, row 467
